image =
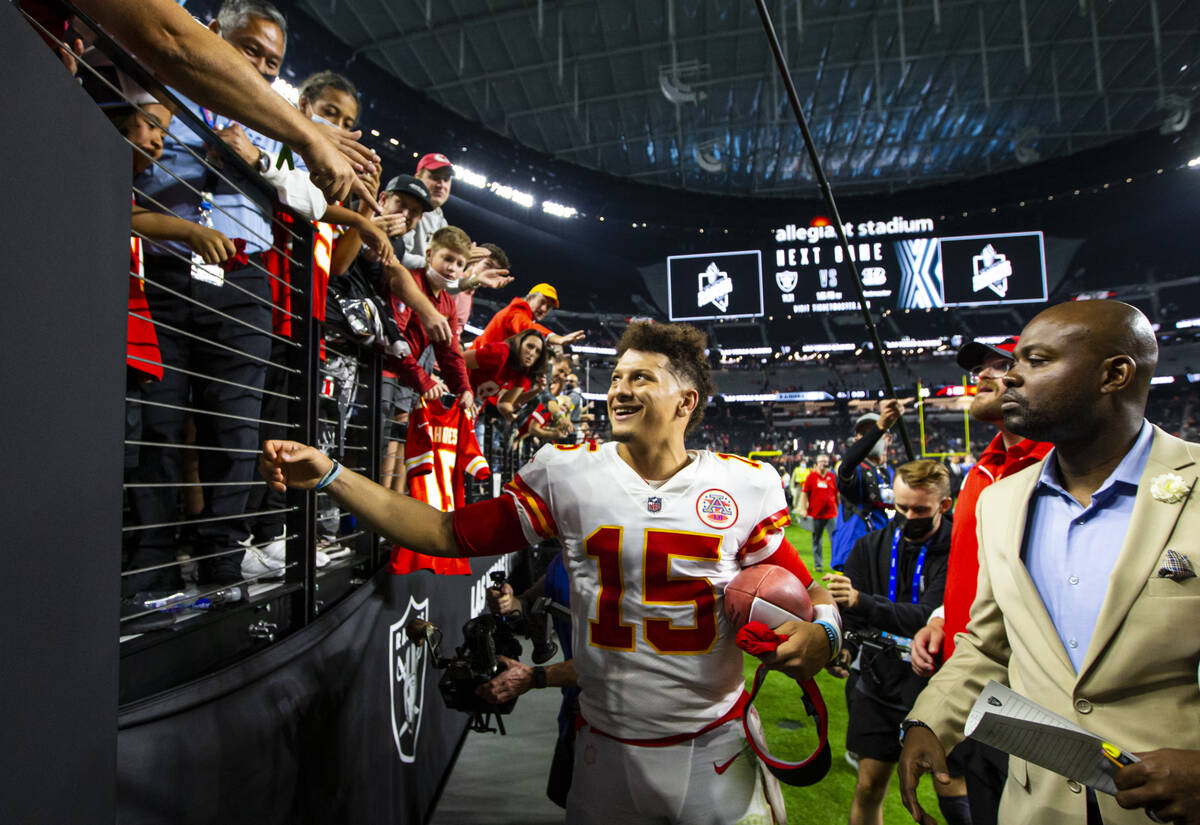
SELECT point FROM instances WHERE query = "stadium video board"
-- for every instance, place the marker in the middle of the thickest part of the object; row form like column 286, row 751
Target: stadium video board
column 904, row 264
column 715, row 285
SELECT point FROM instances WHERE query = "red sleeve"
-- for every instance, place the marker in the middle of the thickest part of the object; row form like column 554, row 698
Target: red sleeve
column 543, row 330
column 491, row 357
column 785, row 556
column 452, row 365
column 489, row 528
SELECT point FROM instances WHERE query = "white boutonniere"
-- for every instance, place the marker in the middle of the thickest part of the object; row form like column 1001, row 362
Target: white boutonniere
column 1169, row 488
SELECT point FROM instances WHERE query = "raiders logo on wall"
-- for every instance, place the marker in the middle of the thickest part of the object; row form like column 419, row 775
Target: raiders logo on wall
column 407, row 680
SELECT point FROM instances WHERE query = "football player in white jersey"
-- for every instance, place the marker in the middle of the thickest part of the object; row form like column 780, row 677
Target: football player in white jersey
column 651, row 534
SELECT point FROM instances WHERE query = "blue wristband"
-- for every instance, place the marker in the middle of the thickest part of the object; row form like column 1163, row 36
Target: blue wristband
column 834, row 638
column 328, row 478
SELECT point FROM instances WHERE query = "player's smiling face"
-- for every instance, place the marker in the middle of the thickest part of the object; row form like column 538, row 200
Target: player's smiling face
column 646, row 400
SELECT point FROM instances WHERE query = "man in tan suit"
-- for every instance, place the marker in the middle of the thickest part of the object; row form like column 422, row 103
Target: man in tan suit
column 1088, row 602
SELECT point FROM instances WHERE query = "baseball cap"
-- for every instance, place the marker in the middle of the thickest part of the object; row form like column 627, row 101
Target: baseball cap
column 974, row 353
column 410, row 186
column 434, row 160
column 860, row 425
column 547, row 290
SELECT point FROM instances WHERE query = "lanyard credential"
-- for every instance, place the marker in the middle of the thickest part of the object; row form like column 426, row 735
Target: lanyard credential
column 916, row 581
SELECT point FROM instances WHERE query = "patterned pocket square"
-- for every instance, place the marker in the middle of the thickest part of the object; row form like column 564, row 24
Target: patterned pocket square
column 1177, row 567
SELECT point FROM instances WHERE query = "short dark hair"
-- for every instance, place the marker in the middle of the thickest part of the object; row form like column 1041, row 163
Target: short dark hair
column 514, row 352
column 684, row 347
column 497, row 255
column 235, row 13
column 317, row 84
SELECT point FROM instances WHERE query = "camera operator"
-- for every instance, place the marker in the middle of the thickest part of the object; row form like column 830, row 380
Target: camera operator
column 518, row 678
column 864, row 481
column 894, row 579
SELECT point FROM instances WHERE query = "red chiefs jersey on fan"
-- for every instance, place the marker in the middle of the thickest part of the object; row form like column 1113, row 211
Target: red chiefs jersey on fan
column 654, row 652
column 493, row 375
column 141, row 338
column 440, row 451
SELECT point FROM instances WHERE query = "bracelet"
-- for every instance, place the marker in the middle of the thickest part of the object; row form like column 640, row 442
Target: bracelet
column 911, row 723
column 539, row 676
column 834, row 640
column 328, row 478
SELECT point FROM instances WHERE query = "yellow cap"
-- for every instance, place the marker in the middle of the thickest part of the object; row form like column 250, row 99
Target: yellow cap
column 547, row 290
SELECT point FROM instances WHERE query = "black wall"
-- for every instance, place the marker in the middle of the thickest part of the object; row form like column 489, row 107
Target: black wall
column 64, row 244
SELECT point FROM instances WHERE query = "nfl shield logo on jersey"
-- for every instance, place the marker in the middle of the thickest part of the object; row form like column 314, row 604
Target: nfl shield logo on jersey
column 654, row 504
column 407, row 681
column 716, row 508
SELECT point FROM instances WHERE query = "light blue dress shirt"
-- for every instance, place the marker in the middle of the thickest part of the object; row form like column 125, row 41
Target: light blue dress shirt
column 246, row 213
column 1070, row 550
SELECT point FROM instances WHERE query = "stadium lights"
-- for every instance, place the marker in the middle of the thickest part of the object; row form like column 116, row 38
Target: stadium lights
column 471, row 328
column 286, row 90
column 913, row 343
column 469, row 177
column 728, row 353
column 827, row 347
column 558, row 210
column 509, row 193
column 1163, row 379
column 593, row 350
column 1193, row 163
column 1187, row 323
column 374, row 133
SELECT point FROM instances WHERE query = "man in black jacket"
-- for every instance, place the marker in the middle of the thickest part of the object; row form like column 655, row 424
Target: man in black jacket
column 894, row 578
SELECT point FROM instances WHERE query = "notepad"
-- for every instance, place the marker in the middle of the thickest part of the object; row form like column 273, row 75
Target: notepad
column 1008, row 721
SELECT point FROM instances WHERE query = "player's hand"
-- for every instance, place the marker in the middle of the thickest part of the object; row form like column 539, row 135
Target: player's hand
column 804, row 653
column 436, row 327
column 291, row 465
column 435, row 392
column 210, row 244
column 926, row 645
column 516, row 678
column 500, row 600
column 842, row 590
column 840, row 666
column 890, row 411
column 922, row 753
column 1166, row 781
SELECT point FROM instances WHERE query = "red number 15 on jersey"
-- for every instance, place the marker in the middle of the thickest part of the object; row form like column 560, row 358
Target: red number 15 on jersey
column 659, row 587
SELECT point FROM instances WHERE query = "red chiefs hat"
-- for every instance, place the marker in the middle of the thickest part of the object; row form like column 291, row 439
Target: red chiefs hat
column 434, row 160
column 973, row 353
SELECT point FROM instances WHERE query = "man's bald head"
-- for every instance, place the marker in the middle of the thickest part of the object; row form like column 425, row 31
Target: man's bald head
column 1079, row 366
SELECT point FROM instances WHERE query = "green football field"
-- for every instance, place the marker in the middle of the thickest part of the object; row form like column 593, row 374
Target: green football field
column 827, row 802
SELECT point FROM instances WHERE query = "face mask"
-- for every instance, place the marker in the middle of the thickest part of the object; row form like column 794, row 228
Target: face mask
column 447, row 283
column 914, row 529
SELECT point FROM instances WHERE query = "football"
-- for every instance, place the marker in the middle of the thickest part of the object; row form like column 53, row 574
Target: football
column 766, row 593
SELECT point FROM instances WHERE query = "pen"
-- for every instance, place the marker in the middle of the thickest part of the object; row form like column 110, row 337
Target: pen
column 1119, row 758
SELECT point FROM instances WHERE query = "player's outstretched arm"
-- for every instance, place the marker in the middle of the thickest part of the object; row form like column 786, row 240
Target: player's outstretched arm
column 290, row 465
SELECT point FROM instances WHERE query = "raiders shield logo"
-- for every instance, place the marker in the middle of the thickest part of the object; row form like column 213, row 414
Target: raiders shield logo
column 407, row 681
column 786, row 280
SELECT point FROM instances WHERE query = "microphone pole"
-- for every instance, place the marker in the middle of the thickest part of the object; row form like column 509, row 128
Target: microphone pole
column 827, row 194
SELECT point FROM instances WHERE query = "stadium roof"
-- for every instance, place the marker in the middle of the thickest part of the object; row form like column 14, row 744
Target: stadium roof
column 683, row 93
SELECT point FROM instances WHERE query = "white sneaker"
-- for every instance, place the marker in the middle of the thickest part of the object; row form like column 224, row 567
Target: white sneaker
column 267, row 561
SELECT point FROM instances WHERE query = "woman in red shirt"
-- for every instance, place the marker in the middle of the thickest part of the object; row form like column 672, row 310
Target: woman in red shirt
column 503, row 372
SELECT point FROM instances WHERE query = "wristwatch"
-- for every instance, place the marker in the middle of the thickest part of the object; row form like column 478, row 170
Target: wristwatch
column 263, row 163
column 539, row 676
column 911, row 723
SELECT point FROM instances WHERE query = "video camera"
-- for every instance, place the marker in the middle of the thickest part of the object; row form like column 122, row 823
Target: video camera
column 485, row 638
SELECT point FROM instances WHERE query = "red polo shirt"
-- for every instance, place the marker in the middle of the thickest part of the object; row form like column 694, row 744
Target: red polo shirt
column 962, row 577
column 514, row 318
column 822, row 494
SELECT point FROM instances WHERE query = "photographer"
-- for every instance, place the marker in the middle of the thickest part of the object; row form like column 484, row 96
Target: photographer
column 518, row 678
column 894, row 579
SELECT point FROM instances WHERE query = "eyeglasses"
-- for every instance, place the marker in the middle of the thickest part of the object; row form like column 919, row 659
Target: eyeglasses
column 998, row 366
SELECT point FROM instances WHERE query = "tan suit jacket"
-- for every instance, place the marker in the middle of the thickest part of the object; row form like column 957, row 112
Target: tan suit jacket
column 1138, row 684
